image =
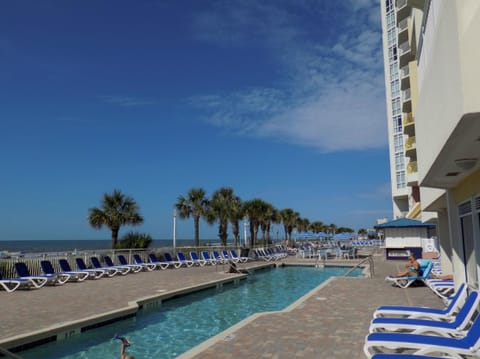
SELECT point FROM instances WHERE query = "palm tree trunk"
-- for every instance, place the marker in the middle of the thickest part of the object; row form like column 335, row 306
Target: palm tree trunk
column 115, row 237
column 196, row 223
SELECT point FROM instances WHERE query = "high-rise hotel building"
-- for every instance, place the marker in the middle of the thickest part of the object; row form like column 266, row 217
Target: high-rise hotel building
column 432, row 69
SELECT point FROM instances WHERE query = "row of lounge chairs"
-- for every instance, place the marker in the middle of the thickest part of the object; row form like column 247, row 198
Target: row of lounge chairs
column 402, row 332
column 270, row 254
column 98, row 270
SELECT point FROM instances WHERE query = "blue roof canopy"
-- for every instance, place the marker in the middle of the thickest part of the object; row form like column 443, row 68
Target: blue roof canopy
column 404, row 222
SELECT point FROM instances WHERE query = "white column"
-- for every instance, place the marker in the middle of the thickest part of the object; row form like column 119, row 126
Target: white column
column 174, row 230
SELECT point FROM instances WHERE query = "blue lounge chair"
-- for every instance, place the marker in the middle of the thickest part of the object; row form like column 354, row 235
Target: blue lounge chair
column 135, row 268
column 196, row 260
column 240, row 259
column 182, row 259
column 153, row 259
column 79, row 276
column 12, row 284
column 123, row 270
column 454, row 328
column 94, row 273
column 469, row 345
column 404, row 282
column 37, row 281
column 206, row 257
column 219, row 258
column 148, row 266
column 170, row 261
column 456, row 301
column 228, row 257
column 109, row 271
column 48, row 269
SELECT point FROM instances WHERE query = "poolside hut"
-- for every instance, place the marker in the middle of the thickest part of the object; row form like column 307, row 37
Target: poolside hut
column 404, row 236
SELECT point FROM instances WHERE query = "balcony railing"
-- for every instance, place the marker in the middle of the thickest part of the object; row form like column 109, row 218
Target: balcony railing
column 402, row 25
column 401, row 3
column 410, row 143
column 412, row 167
column 404, row 48
column 408, row 119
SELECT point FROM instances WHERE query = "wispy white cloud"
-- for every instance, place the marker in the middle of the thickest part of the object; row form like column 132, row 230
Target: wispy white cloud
column 127, row 101
column 381, row 192
column 331, row 93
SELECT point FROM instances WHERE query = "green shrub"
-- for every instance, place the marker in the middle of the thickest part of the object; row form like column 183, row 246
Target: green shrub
column 134, row 240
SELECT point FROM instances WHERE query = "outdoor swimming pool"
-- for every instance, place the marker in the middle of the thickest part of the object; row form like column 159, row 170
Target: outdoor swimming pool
column 180, row 324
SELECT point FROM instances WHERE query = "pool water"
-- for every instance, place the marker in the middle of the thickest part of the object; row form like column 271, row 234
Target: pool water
column 180, row 324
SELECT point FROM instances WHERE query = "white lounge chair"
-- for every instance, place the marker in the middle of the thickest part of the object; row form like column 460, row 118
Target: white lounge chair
column 404, row 282
column 421, row 344
column 134, row 268
column 37, row 281
column 12, row 284
column 148, row 266
column 196, row 260
column 456, row 301
column 456, row 327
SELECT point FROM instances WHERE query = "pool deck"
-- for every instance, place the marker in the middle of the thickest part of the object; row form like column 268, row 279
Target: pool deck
column 330, row 322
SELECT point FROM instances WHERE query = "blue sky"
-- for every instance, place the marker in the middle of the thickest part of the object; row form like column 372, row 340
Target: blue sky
column 280, row 100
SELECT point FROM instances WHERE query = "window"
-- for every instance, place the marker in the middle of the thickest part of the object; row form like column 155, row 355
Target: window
column 398, row 143
column 390, row 20
column 392, row 53
column 397, row 124
column 395, row 86
column 392, row 36
column 399, row 162
column 388, row 5
column 396, row 107
column 401, row 183
column 393, row 71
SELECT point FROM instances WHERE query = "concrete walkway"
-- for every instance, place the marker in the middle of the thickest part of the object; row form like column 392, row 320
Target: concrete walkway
column 330, row 322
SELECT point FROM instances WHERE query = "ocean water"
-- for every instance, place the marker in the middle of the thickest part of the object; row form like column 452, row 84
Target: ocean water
column 39, row 246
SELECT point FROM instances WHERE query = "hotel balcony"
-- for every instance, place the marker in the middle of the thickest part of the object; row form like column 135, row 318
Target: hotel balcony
column 405, row 77
column 412, row 167
column 406, row 53
column 404, row 8
column 408, row 124
column 412, row 174
column 411, row 147
column 402, row 32
column 406, row 101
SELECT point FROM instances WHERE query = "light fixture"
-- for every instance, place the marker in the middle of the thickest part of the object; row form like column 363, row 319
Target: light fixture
column 466, row 163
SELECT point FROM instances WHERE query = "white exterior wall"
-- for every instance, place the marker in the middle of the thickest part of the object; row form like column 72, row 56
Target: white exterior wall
column 449, row 75
column 404, row 237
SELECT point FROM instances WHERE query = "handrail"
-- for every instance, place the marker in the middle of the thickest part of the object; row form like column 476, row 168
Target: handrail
column 9, row 353
column 371, row 265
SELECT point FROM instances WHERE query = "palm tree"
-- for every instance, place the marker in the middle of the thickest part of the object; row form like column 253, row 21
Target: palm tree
column 316, row 227
column 235, row 216
column 195, row 205
column 115, row 210
column 220, row 208
column 254, row 210
column 266, row 222
column 289, row 220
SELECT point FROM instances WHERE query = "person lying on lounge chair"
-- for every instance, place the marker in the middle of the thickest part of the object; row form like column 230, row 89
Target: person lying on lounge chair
column 413, row 268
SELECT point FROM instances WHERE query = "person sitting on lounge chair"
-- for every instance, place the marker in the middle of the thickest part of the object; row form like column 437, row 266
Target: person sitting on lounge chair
column 413, row 268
